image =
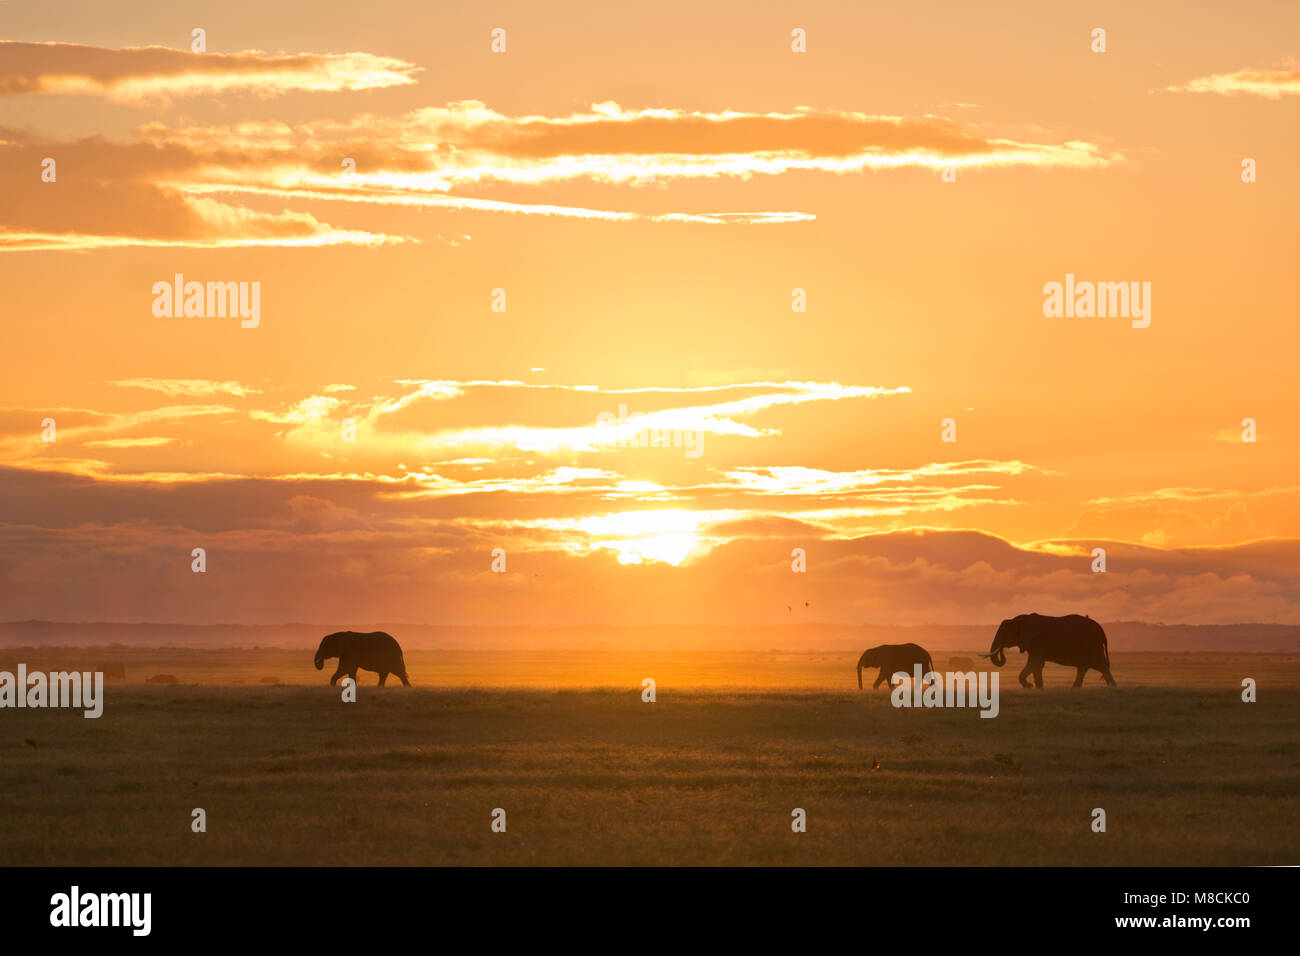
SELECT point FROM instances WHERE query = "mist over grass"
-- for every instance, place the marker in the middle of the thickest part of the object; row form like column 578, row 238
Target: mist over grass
column 1187, row 773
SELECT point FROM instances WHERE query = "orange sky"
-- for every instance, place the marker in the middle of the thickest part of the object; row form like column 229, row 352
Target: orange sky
column 648, row 186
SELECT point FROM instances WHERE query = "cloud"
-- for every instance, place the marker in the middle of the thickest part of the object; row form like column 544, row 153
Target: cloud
column 414, row 197
column 398, row 422
column 19, row 445
column 398, row 524
column 188, row 386
column 467, row 141
column 431, row 156
column 136, row 75
column 562, row 485
column 1269, row 83
column 153, row 442
column 188, row 186
column 310, row 410
column 114, row 195
column 1193, row 516
column 347, row 548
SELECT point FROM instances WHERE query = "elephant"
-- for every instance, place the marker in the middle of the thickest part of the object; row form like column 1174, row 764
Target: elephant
column 1074, row 640
column 892, row 658
column 375, row 651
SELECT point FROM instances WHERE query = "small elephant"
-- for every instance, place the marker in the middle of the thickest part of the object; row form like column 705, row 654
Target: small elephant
column 375, row 651
column 892, row 658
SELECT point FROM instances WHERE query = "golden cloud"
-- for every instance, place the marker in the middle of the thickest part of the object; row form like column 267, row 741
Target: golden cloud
column 1269, row 83
column 136, row 75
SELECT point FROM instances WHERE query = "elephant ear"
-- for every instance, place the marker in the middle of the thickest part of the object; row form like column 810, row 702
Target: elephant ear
column 1031, row 628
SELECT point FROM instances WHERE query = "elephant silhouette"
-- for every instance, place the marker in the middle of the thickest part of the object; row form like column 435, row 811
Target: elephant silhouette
column 1074, row 640
column 892, row 658
column 373, row 651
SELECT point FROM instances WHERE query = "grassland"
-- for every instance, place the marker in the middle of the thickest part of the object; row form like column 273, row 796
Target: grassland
column 709, row 773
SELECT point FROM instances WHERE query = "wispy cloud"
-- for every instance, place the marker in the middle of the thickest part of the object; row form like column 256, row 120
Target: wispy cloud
column 188, row 386
column 195, row 186
column 142, row 74
column 152, row 442
column 1269, row 83
column 724, row 417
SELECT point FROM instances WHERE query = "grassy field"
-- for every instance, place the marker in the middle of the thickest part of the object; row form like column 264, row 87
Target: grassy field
column 589, row 774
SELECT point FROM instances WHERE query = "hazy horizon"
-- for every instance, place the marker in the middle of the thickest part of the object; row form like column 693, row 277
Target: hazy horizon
column 1125, row 637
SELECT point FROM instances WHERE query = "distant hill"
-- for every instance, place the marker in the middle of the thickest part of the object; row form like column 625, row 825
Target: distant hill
column 1123, row 635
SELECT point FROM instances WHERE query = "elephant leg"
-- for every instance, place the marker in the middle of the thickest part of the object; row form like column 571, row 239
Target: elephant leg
column 1105, row 674
column 353, row 674
column 402, row 675
column 383, row 676
column 1078, row 676
column 334, row 678
column 1029, row 669
column 1038, row 676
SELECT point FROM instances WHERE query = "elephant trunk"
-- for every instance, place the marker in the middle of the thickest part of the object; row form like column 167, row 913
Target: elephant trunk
column 320, row 662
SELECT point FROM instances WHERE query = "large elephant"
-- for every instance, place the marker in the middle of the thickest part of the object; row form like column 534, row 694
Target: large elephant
column 892, row 658
column 375, row 651
column 1074, row 640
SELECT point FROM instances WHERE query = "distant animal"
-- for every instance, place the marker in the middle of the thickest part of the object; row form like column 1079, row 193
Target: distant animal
column 1074, row 640
column 163, row 679
column 891, row 658
column 112, row 670
column 269, row 680
column 961, row 663
column 373, row 651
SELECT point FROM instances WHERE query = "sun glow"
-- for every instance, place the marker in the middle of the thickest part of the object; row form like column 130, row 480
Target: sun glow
column 669, row 548
column 669, row 535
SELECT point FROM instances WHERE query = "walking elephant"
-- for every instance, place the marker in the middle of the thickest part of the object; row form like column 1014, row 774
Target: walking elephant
column 892, row 658
column 375, row 651
column 1073, row 640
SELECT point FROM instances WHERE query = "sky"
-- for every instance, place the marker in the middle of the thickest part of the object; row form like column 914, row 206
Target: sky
column 812, row 244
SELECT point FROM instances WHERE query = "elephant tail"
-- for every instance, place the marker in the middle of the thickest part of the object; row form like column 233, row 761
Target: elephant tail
column 1105, row 644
